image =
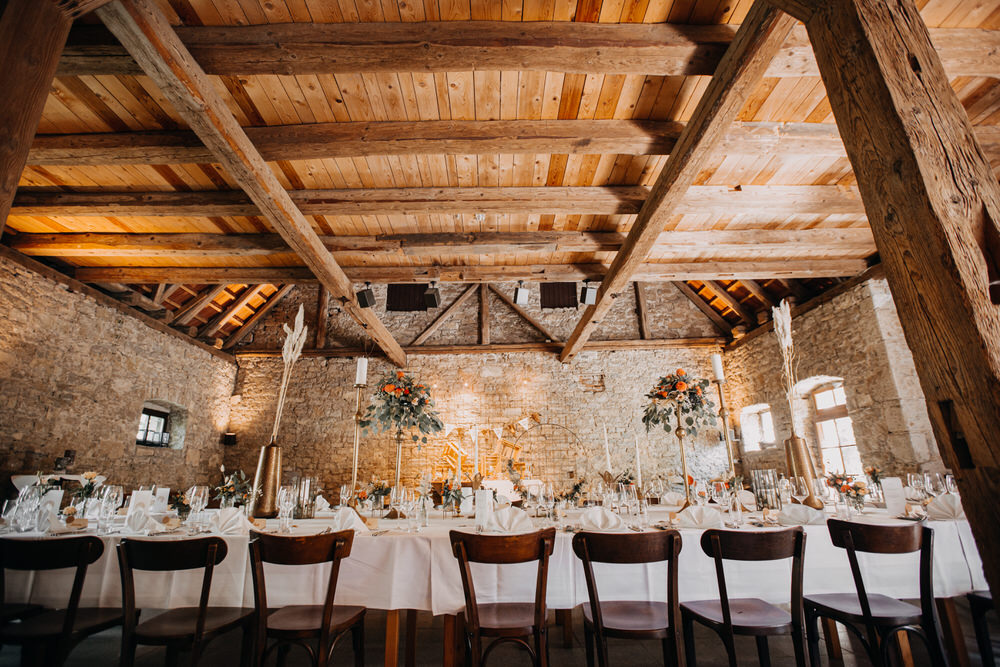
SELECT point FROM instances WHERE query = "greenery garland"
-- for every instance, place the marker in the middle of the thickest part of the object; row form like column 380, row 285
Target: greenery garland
column 679, row 391
column 400, row 403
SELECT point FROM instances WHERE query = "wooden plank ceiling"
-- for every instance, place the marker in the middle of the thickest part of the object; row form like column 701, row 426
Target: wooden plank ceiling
column 520, row 146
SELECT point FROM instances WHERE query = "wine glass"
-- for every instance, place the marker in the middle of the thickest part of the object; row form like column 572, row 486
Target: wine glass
column 800, row 490
column 111, row 499
column 950, row 483
column 916, row 482
column 933, row 484
column 700, row 492
column 198, row 499
column 719, row 493
column 28, row 501
column 286, row 506
column 345, row 494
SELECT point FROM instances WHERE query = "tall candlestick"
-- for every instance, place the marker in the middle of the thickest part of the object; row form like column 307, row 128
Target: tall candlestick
column 361, row 375
column 638, row 465
column 717, row 371
column 607, row 450
column 475, row 441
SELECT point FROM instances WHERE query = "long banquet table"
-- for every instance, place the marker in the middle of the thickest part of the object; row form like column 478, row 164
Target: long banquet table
column 397, row 570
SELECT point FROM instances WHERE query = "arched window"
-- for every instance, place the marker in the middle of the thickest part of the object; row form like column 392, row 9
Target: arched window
column 835, row 430
column 757, row 427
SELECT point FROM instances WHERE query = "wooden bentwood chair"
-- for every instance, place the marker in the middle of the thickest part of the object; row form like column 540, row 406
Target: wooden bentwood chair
column 630, row 619
column 749, row 616
column 980, row 604
column 47, row 636
column 301, row 625
column 514, row 622
column 183, row 628
column 875, row 619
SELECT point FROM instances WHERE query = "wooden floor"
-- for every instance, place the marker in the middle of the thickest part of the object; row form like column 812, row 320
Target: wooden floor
column 103, row 649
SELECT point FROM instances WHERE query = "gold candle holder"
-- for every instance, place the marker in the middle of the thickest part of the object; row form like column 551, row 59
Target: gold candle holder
column 357, row 435
column 680, row 432
column 724, row 417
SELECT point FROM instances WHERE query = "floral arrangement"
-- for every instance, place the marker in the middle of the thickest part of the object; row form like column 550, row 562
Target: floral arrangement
column 377, row 490
column 679, row 391
column 179, row 503
column 733, row 482
column 875, row 474
column 89, row 487
column 234, row 488
column 854, row 490
column 573, row 495
column 69, row 511
column 401, row 403
column 515, row 478
column 451, row 493
column 625, row 478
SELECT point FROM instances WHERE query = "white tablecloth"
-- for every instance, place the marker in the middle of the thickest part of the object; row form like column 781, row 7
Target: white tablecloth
column 399, row 570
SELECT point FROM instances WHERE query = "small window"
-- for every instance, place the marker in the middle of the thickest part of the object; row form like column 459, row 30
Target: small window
column 154, row 428
column 405, row 298
column 161, row 424
column 557, row 295
column 836, row 431
column 758, row 427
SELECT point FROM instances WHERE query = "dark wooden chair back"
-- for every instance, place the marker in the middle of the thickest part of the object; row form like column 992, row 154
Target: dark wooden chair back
column 723, row 545
column 887, row 539
column 503, row 550
column 168, row 556
column 298, row 550
column 629, row 548
column 52, row 554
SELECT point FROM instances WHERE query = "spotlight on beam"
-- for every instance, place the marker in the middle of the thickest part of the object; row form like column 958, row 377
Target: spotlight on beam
column 588, row 295
column 432, row 296
column 521, row 294
column 366, row 297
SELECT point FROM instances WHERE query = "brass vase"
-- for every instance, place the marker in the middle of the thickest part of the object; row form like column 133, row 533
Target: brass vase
column 267, row 481
column 799, row 463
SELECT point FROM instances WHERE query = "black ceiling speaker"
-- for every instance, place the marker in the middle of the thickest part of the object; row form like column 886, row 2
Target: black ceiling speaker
column 432, row 296
column 366, row 297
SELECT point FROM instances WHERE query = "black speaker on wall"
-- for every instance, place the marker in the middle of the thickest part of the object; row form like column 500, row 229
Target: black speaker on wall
column 366, row 297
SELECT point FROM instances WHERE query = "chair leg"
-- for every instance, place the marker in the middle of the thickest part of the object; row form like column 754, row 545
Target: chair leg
column 283, row 654
column 358, row 640
column 799, row 646
column 173, row 657
column 542, row 647
column 689, row 653
column 247, row 645
column 588, row 642
column 670, row 653
column 982, row 633
column 32, row 655
column 730, row 643
column 127, row 657
column 763, row 653
column 812, row 637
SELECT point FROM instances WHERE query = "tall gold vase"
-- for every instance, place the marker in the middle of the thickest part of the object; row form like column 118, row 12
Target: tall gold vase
column 267, row 481
column 799, row 463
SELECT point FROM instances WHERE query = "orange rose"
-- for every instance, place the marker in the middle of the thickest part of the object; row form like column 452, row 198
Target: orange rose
column 389, row 388
column 681, row 372
column 690, row 480
column 681, row 386
column 698, row 390
column 662, row 394
column 399, row 375
column 845, row 488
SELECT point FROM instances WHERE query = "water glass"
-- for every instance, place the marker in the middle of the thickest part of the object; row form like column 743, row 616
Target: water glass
column 735, row 510
column 111, row 497
column 286, row 507
column 933, row 484
column 719, row 492
column 950, row 483
column 198, row 499
column 800, row 490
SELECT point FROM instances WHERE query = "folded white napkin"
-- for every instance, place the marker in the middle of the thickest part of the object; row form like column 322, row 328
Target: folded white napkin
column 47, row 521
column 672, row 498
column 347, row 518
column 51, row 501
column 800, row 515
column 468, row 503
column 698, row 516
column 601, row 520
column 229, row 521
column 322, row 504
column 747, row 499
column 510, row 520
column 947, row 507
column 138, row 522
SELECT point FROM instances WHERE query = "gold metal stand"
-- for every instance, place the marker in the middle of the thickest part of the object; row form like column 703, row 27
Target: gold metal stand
column 399, row 458
column 724, row 416
column 680, row 433
column 357, row 436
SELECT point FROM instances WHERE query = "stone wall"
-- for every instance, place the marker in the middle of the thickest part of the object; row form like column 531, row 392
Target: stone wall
column 74, row 374
column 857, row 337
column 573, row 402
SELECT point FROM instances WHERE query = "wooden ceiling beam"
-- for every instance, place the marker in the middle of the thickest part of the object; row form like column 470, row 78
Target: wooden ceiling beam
column 720, row 322
column 443, row 317
column 660, row 49
column 759, row 292
column 352, row 139
column 145, row 32
column 740, row 70
column 751, row 202
column 732, row 302
column 251, row 323
column 32, row 35
column 229, row 311
column 649, row 272
column 755, row 242
column 190, row 310
column 524, row 314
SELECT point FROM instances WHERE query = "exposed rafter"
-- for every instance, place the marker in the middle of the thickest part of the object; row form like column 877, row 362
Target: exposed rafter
column 732, row 302
column 658, row 49
column 740, row 70
column 145, row 32
column 650, row 272
column 720, row 322
column 443, row 317
column 524, row 314
column 351, row 139
column 255, row 319
column 229, row 311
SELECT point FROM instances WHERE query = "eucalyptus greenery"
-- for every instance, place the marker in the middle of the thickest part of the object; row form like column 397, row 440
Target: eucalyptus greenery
column 400, row 403
column 679, row 391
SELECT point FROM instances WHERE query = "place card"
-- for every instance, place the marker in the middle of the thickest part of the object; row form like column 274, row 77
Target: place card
column 143, row 499
column 895, row 497
column 161, row 499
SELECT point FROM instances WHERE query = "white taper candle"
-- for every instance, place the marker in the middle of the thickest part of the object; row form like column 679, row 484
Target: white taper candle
column 361, row 375
column 607, row 450
column 717, row 367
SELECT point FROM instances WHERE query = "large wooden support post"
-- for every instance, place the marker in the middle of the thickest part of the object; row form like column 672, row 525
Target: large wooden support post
column 32, row 36
column 932, row 202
